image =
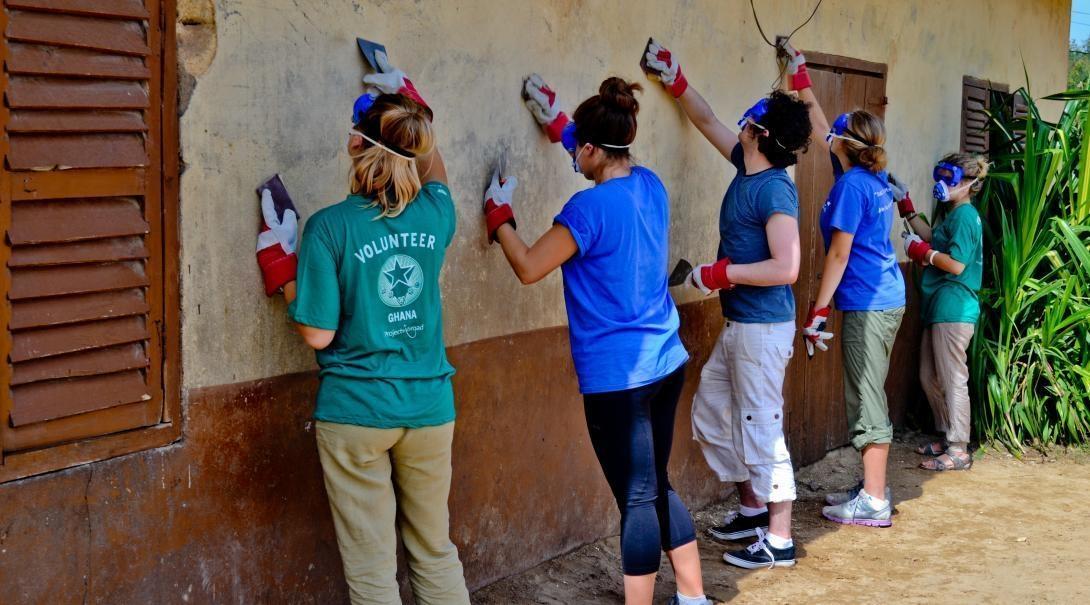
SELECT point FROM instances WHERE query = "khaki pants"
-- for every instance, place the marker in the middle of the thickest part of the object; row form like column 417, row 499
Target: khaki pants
column 738, row 408
column 944, row 374
column 867, row 346
column 376, row 478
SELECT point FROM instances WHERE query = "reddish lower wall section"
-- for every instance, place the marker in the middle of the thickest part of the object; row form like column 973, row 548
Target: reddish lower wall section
column 236, row 511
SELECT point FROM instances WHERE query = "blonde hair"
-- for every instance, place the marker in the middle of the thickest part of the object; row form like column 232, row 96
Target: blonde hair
column 402, row 126
column 866, row 137
column 972, row 166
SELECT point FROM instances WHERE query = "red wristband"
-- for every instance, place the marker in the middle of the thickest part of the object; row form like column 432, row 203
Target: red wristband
column 680, row 84
column 714, row 276
column 801, row 79
column 556, row 128
column 495, row 216
column 277, row 268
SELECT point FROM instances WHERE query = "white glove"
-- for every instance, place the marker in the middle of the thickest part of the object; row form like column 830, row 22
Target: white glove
column 285, row 232
column 910, row 239
column 541, row 100
column 660, row 59
column 501, row 193
column 390, row 80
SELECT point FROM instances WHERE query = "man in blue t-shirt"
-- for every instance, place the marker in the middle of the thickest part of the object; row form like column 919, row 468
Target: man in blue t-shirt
column 738, row 409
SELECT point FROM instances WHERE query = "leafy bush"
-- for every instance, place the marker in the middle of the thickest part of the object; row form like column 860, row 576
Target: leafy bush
column 1030, row 362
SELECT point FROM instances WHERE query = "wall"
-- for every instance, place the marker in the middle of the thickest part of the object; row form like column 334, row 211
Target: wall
column 235, row 511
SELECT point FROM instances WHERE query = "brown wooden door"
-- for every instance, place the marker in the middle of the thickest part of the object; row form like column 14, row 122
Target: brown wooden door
column 814, row 388
column 81, row 208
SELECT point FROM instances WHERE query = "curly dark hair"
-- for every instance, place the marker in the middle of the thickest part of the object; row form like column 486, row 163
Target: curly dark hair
column 788, row 124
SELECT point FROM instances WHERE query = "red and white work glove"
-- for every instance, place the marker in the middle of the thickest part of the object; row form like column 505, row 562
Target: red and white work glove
column 813, row 332
column 497, row 204
column 276, row 245
column 392, row 81
column 544, row 104
column 900, row 195
column 798, row 77
column 711, row 277
column 918, row 250
column 664, row 65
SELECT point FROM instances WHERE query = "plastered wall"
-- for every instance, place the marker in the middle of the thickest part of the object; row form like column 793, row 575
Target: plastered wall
column 269, row 85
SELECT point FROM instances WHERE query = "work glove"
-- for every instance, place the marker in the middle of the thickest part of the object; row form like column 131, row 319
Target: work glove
column 918, row 250
column 544, row 104
column 711, row 277
column 813, row 332
column 798, row 77
column 276, row 245
column 497, row 204
column 662, row 64
column 900, row 195
column 392, row 81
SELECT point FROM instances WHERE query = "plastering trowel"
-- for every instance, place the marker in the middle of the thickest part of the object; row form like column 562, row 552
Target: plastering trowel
column 681, row 272
column 281, row 199
column 368, row 48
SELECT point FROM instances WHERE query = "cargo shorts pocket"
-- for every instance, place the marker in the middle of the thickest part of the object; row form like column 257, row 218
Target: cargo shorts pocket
column 762, row 436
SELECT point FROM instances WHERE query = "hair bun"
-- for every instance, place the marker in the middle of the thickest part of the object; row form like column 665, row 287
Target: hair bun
column 620, row 94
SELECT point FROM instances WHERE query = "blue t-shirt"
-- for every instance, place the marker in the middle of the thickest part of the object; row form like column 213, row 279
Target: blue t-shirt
column 748, row 204
column 621, row 320
column 861, row 203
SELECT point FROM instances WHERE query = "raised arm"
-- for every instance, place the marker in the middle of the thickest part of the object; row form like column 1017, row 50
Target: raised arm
column 798, row 79
column 530, row 263
column 659, row 63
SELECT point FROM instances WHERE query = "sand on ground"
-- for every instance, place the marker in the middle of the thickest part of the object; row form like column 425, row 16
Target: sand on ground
column 1007, row 531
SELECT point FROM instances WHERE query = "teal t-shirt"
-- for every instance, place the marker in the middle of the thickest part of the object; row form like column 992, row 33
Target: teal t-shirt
column 376, row 282
column 949, row 298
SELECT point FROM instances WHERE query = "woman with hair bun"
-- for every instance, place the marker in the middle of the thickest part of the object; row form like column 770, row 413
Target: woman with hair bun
column 611, row 242
column 861, row 275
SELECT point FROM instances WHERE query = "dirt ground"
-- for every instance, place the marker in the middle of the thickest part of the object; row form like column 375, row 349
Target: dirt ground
column 1007, row 531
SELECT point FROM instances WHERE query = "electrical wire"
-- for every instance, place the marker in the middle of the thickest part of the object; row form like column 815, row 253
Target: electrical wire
column 793, row 32
column 757, row 20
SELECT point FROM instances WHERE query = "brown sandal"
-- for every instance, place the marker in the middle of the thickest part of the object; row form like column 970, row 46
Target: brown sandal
column 951, row 460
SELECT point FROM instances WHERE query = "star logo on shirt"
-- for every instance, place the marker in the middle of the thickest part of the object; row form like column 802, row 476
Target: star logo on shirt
column 398, row 274
column 400, row 281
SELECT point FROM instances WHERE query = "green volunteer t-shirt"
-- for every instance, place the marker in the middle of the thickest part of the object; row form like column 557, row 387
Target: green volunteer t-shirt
column 949, row 298
column 376, row 282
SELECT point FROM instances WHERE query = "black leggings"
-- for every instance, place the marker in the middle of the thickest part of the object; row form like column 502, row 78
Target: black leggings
column 632, row 432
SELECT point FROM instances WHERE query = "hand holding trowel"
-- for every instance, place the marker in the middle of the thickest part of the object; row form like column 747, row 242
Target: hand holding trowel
column 498, row 197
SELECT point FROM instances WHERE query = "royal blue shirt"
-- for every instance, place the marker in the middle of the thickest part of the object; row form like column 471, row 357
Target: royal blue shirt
column 861, row 203
column 748, row 204
column 621, row 320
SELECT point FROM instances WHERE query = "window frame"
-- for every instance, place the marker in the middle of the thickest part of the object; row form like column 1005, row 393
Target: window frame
column 23, row 464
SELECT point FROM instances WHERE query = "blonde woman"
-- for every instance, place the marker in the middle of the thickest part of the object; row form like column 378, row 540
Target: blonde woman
column 366, row 297
column 861, row 275
column 953, row 259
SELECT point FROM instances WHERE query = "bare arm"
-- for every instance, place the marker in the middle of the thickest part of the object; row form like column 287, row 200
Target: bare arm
column 819, row 124
column 533, row 263
column 783, row 268
column 836, row 261
column 316, row 338
column 921, row 228
column 701, row 115
column 946, row 263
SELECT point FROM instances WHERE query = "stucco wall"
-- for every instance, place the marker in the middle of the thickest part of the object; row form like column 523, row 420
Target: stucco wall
column 276, row 96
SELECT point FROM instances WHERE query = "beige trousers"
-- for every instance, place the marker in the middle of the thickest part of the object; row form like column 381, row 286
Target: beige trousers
column 944, row 374
column 376, row 478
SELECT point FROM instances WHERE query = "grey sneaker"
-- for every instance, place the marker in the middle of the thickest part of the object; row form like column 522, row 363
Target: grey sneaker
column 674, row 601
column 859, row 511
column 838, row 498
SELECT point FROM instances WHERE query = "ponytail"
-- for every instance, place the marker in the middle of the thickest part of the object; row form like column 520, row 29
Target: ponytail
column 866, row 139
column 399, row 130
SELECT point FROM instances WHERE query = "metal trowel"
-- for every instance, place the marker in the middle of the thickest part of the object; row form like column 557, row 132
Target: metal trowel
column 368, row 48
column 281, row 199
column 681, row 272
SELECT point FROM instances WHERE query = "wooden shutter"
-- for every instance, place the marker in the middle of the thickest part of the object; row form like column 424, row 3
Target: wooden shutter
column 978, row 97
column 83, row 217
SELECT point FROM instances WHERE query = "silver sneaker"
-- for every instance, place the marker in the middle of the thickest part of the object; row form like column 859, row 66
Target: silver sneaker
column 859, row 511
column 838, row 498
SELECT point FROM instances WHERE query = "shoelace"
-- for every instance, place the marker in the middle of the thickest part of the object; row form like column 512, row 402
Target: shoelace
column 760, row 545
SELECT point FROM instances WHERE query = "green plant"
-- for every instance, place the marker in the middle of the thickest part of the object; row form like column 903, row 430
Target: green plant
column 1030, row 361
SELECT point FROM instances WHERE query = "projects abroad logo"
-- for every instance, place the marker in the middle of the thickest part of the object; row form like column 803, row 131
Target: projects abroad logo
column 400, row 281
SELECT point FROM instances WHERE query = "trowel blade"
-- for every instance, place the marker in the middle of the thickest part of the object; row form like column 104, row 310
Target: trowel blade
column 368, row 49
column 680, row 273
column 281, row 199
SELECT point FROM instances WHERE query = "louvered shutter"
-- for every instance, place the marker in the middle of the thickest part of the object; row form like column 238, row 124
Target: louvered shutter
column 974, row 121
column 82, row 215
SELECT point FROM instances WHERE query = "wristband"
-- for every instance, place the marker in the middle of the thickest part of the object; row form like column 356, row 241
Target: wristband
column 931, row 257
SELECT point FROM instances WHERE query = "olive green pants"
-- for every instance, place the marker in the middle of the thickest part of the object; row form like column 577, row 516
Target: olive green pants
column 867, row 345
column 379, row 478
